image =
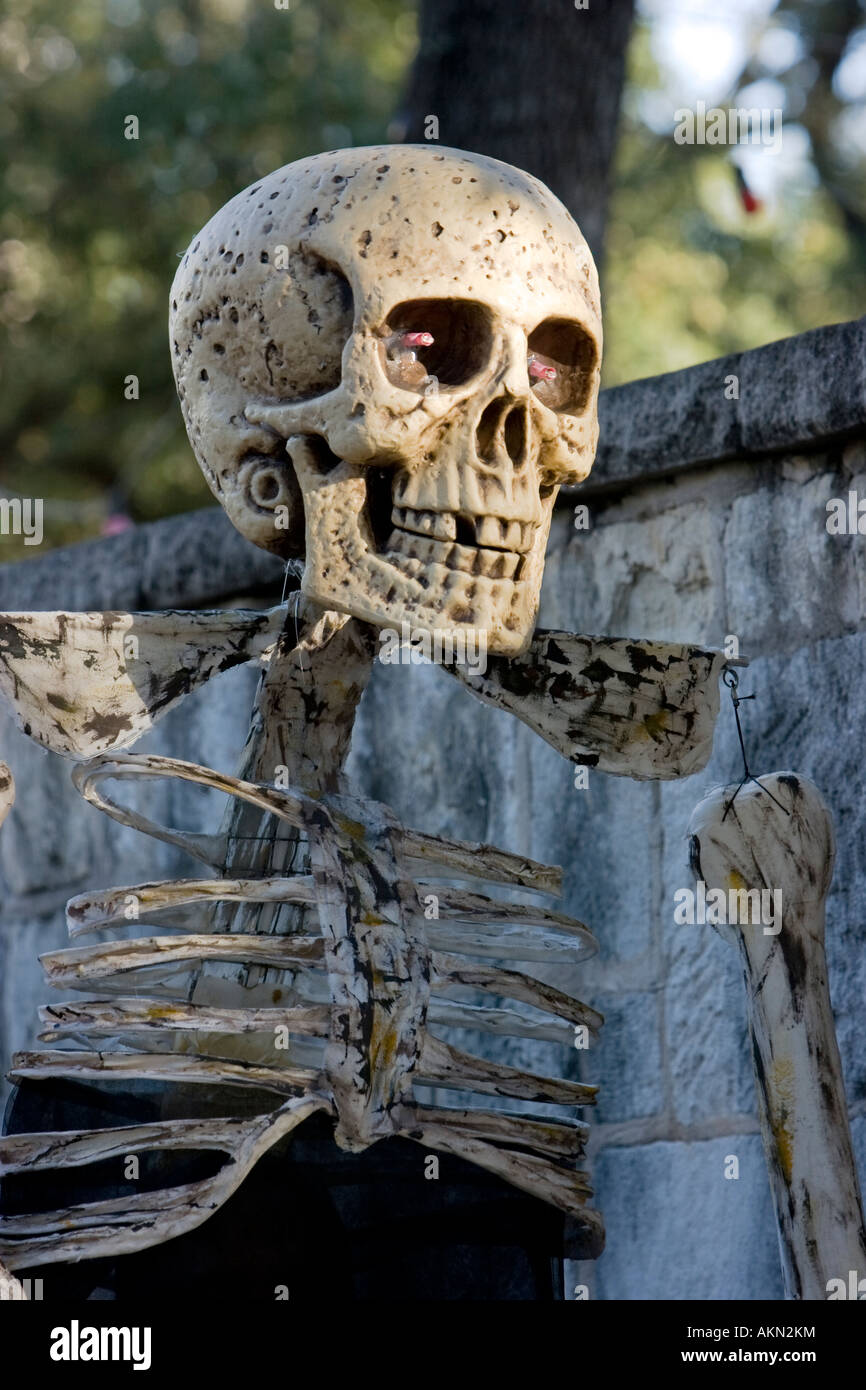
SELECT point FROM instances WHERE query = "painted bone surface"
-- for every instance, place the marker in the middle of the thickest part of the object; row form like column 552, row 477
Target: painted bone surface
column 388, row 362
column 356, row 341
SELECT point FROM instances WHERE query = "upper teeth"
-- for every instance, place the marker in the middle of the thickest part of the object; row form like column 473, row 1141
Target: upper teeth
column 490, row 532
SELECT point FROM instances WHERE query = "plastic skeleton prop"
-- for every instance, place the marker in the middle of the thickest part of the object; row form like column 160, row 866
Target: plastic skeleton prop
column 388, row 363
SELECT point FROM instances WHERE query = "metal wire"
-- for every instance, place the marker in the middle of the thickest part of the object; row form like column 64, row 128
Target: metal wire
column 732, row 681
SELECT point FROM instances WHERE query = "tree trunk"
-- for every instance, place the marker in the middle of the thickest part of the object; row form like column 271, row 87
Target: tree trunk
column 536, row 83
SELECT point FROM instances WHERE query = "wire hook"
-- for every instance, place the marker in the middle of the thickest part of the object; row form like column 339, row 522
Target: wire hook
column 732, row 681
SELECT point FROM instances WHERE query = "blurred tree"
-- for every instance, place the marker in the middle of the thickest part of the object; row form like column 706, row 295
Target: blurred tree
column 92, row 223
column 824, row 87
column 694, row 269
column 538, row 85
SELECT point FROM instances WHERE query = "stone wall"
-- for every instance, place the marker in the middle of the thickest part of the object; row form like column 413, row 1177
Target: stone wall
column 708, row 513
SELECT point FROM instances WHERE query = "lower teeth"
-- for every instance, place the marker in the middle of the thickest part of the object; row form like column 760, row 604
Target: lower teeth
column 494, row 564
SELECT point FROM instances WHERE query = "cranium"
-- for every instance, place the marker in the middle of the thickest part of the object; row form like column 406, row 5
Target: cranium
column 417, row 477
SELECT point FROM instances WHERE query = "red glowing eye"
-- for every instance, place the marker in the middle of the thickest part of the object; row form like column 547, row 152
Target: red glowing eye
column 540, row 371
column 413, row 340
column 429, row 344
column 561, row 361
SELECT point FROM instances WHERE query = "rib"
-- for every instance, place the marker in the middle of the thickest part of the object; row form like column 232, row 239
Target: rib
column 93, row 962
column 512, row 984
column 473, row 860
column 90, row 912
column 97, row 1016
column 557, row 1138
column 509, row 942
column 443, row 1065
column 211, row 849
column 456, row 904
column 561, row 1186
column 160, row 1066
column 507, row 1023
column 31, row 1153
column 122, row 1225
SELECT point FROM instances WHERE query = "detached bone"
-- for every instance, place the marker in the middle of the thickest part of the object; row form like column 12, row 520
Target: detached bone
column 798, row 1073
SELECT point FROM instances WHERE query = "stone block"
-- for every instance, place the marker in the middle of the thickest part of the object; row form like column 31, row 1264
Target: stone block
column 678, row 1229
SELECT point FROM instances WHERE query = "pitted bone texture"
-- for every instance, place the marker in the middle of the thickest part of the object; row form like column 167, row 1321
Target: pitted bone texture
column 417, row 478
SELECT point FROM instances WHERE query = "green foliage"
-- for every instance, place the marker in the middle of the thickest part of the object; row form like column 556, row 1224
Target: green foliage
column 690, row 274
column 91, row 223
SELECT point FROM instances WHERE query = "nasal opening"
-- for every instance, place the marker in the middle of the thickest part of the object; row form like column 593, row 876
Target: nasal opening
column 502, row 430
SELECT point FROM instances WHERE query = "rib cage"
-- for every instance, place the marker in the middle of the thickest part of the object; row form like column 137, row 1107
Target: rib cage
column 370, row 984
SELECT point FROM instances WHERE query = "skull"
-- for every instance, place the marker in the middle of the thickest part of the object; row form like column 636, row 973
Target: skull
column 388, row 362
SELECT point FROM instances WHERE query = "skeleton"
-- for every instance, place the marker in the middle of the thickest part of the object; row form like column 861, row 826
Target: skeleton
column 388, row 364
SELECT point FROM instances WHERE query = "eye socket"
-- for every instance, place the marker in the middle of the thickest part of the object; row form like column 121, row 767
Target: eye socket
column 433, row 343
column 562, row 358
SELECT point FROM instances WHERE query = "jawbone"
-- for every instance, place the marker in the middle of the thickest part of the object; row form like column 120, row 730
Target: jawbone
column 425, row 589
